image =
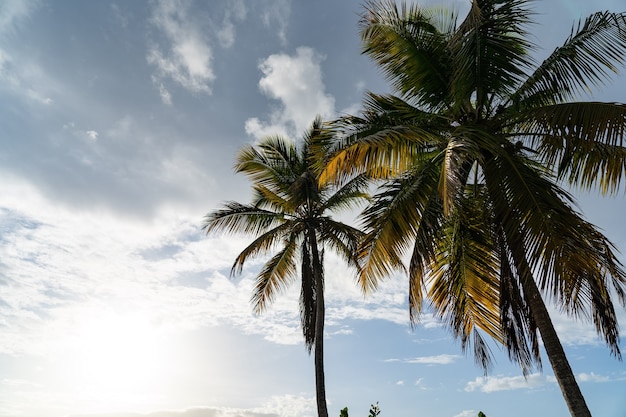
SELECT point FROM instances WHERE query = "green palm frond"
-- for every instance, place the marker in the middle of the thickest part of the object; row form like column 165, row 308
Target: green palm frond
column 268, row 199
column 271, row 163
column 594, row 49
column 393, row 219
column 241, row 218
column 276, row 275
column 463, row 278
column 410, row 48
column 583, row 141
column 385, row 141
column 349, row 196
column 459, row 158
column 264, row 244
column 489, row 52
column 519, row 330
column 343, row 239
column 308, row 301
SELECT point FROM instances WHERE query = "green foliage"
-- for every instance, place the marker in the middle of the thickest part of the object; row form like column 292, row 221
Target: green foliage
column 481, row 414
column 374, row 410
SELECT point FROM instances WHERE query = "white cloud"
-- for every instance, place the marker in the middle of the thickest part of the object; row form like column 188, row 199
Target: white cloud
column 278, row 406
column 443, row 359
column 195, row 412
column 593, row 377
column 289, row 406
column 493, row 384
column 187, row 58
column 466, row 413
column 296, row 81
column 92, row 134
column 164, row 272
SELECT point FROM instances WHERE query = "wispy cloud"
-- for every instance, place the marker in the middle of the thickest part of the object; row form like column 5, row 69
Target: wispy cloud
column 277, row 406
column 503, row 383
column 164, row 272
column 186, row 56
column 296, row 81
column 12, row 12
column 444, row 359
column 276, row 15
column 236, row 12
column 593, row 377
column 466, row 413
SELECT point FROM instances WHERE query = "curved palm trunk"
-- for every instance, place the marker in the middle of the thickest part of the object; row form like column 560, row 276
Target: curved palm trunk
column 560, row 365
column 320, row 384
column 556, row 355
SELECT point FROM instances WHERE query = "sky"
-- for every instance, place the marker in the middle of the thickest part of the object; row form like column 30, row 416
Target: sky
column 119, row 124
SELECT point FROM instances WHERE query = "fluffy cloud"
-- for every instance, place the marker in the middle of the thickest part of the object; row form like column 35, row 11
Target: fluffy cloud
column 296, row 81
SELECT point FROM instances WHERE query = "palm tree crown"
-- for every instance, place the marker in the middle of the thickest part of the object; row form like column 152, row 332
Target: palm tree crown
column 472, row 149
column 290, row 216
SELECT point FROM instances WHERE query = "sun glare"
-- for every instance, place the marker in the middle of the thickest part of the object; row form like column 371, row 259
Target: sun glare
column 117, row 362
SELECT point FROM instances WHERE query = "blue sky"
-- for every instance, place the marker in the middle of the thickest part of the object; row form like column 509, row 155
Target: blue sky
column 119, row 123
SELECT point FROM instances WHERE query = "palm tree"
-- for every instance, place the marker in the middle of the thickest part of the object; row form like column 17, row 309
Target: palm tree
column 472, row 150
column 290, row 212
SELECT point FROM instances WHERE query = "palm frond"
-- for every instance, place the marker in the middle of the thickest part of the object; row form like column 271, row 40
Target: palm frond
column 308, row 301
column 386, row 141
column 349, row 196
column 240, row 218
column 594, row 49
column 464, row 286
column 489, row 52
column 276, row 275
column 519, row 329
column 343, row 239
column 392, row 222
column 407, row 44
column 270, row 163
column 583, row 141
column 263, row 244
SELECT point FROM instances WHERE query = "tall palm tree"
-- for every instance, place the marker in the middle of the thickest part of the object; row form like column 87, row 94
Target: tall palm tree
column 290, row 217
column 473, row 148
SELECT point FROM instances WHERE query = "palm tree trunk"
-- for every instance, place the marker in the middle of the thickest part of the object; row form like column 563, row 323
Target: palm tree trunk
column 320, row 384
column 556, row 355
column 560, row 365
